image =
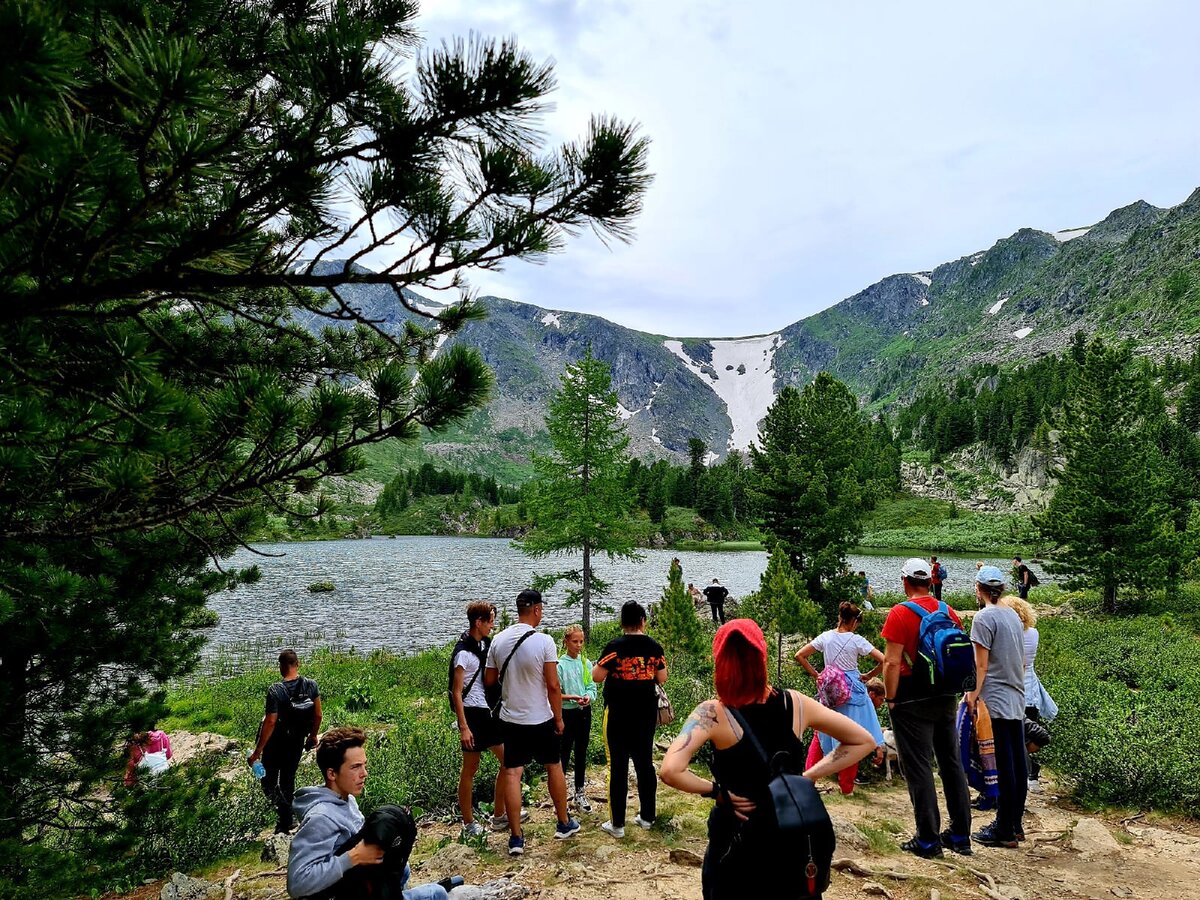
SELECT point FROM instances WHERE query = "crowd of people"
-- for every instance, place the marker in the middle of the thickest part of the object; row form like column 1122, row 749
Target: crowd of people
column 520, row 697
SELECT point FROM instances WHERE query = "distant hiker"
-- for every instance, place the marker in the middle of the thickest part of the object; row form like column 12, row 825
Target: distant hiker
column 1040, row 707
column 752, row 727
column 149, row 752
column 841, row 686
column 525, row 664
column 339, row 855
column 1023, row 577
column 630, row 667
column 937, row 574
column 478, row 726
column 866, row 591
column 996, row 632
column 716, row 595
column 697, row 597
column 289, row 727
column 579, row 693
column 922, row 713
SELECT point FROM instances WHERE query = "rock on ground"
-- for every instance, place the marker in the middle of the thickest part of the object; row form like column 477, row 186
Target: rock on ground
column 1091, row 838
column 453, row 859
column 848, row 836
column 182, row 887
column 276, row 849
column 500, row 889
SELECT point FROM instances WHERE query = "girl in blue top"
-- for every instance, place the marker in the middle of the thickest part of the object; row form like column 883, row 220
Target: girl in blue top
column 578, row 693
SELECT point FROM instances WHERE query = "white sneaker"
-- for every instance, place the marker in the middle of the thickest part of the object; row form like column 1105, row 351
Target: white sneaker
column 582, row 802
column 1034, row 786
column 473, row 829
column 500, row 823
column 613, row 830
column 642, row 823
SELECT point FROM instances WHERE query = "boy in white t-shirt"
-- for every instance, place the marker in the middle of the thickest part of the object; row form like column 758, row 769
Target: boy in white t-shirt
column 525, row 664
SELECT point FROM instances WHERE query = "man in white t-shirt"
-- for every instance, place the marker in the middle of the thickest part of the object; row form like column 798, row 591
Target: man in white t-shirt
column 525, row 664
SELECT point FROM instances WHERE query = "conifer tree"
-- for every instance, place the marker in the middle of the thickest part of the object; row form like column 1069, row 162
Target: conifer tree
column 781, row 604
column 677, row 626
column 1110, row 517
column 578, row 499
column 184, row 185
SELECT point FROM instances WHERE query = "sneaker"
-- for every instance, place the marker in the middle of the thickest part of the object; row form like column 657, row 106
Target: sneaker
column 989, row 837
column 1020, row 835
column 582, row 802
column 642, row 823
column 915, row 847
column 473, row 829
column 1034, row 786
column 500, row 823
column 516, row 845
column 859, row 780
column 983, row 804
column 564, row 830
column 613, row 829
column 961, row 846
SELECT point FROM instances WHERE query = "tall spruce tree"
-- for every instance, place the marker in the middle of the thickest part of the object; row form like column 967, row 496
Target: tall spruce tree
column 578, row 499
column 810, row 486
column 1110, row 518
column 177, row 179
column 676, row 624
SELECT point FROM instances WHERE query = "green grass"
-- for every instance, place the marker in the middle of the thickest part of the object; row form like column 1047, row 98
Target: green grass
column 905, row 521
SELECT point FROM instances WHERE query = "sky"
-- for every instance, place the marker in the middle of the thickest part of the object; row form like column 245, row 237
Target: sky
column 802, row 151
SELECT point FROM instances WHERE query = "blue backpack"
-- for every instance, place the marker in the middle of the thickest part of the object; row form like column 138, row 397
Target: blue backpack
column 946, row 649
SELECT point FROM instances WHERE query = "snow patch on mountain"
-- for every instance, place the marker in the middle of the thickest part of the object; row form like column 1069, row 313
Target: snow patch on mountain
column 1022, row 333
column 997, row 306
column 1070, row 234
column 625, row 414
column 922, row 277
column 654, row 436
column 924, row 301
column 551, row 319
column 745, row 381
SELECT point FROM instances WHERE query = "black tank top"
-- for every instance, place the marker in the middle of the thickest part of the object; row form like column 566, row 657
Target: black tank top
column 739, row 768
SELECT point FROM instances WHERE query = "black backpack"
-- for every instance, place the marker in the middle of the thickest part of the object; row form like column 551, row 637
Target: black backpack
column 480, row 649
column 297, row 712
column 795, row 828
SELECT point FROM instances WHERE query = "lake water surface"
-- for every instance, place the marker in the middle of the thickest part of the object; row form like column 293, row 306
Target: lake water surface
column 410, row 593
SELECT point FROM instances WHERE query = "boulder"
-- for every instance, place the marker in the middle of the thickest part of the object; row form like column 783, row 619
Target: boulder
column 684, row 857
column 453, row 859
column 500, row 889
column 183, row 887
column 276, row 848
column 848, row 836
column 1091, row 838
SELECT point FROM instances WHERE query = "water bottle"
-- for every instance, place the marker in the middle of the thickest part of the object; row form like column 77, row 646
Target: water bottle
column 259, row 770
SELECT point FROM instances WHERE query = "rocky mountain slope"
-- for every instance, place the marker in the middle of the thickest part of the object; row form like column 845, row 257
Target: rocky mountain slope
column 1134, row 275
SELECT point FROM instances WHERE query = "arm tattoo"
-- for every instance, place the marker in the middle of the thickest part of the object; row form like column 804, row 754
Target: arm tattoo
column 703, row 717
column 839, row 753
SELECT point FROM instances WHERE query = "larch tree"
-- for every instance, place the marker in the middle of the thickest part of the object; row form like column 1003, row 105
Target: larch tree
column 579, row 501
column 676, row 623
column 182, row 183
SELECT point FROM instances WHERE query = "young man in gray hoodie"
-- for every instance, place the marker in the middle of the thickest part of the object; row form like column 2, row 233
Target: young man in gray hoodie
column 330, row 818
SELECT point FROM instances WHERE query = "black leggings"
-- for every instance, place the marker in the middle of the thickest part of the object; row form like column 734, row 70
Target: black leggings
column 577, row 728
column 629, row 737
column 1010, row 767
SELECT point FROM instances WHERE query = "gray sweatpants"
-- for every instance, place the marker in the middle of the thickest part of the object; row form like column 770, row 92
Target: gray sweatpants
column 925, row 729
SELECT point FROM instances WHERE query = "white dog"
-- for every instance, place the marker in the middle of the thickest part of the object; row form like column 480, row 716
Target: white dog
column 890, row 752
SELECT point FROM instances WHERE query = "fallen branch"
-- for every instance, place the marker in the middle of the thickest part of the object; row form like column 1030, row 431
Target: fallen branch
column 270, row 874
column 229, row 883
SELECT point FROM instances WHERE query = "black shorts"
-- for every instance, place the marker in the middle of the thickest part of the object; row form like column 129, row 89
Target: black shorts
column 524, row 744
column 485, row 728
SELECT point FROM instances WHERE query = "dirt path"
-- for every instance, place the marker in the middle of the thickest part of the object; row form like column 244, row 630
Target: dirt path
column 1069, row 855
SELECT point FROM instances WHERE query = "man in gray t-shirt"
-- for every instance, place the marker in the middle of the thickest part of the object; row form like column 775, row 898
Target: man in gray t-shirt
column 999, row 642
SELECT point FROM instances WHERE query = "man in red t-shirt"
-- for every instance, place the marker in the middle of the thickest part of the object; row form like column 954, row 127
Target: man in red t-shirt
column 935, row 581
column 923, row 721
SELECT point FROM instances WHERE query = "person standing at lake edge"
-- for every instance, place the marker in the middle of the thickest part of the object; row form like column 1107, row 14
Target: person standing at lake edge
column 579, row 693
column 290, row 726
column 694, row 593
column 716, row 595
column 998, row 636
column 935, row 577
column 525, row 665
column 923, row 722
column 1022, row 576
column 478, row 728
column 630, row 666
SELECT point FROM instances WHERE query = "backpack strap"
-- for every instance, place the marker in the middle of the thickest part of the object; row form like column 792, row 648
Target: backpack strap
column 918, row 609
column 512, row 653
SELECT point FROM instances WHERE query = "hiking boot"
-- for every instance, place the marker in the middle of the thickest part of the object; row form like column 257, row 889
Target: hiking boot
column 581, row 802
column 614, row 830
column 983, row 804
column 1019, row 834
column 473, row 830
column 642, row 823
column 961, row 846
column 989, row 837
column 917, row 848
column 564, row 830
column 516, row 845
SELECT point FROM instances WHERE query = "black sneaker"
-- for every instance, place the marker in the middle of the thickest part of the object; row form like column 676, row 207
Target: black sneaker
column 983, row 804
column 915, row 847
column 961, row 846
column 989, row 837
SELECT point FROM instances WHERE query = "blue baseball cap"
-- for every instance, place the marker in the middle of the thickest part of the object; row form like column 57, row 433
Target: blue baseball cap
column 990, row 576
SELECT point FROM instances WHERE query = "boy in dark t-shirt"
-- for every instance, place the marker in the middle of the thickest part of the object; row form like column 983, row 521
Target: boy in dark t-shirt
column 630, row 667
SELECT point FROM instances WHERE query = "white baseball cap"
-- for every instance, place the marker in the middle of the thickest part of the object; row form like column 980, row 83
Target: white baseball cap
column 915, row 567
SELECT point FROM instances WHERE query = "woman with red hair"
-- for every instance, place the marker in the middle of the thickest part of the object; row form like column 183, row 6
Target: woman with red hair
column 740, row 776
